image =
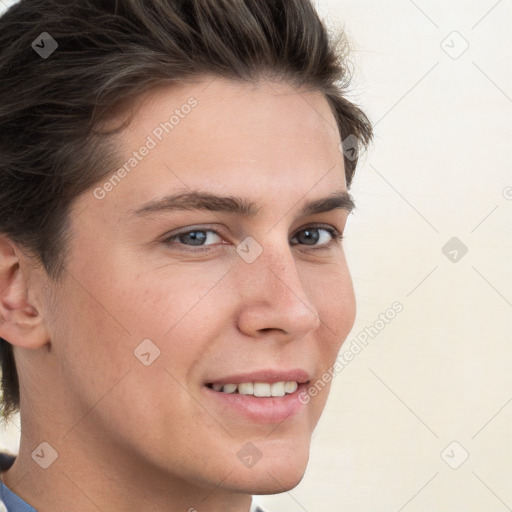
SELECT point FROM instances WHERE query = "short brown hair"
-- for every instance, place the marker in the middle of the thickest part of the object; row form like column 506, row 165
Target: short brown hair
column 111, row 51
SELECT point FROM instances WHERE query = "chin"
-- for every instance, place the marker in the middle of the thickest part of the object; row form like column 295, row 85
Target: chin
column 267, row 483
column 277, row 471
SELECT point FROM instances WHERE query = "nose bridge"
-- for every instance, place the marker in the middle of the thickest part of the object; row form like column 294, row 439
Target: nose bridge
column 273, row 294
column 275, row 263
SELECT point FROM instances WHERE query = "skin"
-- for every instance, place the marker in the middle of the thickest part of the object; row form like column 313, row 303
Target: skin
column 136, row 437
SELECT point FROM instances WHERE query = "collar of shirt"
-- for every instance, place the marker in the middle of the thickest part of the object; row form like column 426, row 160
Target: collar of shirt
column 255, row 507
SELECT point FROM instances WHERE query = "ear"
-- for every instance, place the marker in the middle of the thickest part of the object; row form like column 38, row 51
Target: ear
column 20, row 322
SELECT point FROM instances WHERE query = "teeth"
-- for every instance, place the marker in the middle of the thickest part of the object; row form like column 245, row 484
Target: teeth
column 290, row 386
column 277, row 389
column 246, row 388
column 259, row 389
column 229, row 388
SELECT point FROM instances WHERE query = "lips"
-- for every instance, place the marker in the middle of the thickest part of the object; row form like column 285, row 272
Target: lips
column 268, row 376
column 265, row 396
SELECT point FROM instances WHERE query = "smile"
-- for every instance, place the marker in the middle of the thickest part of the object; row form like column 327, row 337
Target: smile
column 264, row 396
column 258, row 389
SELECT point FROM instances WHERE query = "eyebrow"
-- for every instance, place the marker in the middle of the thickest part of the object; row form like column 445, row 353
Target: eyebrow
column 196, row 200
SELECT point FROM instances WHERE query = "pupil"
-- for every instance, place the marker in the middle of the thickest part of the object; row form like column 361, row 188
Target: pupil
column 310, row 236
column 197, row 237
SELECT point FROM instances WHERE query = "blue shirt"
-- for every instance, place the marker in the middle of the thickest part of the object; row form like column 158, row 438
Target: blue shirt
column 12, row 502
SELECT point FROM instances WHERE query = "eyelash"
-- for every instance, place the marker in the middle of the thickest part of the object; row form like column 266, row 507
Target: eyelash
column 337, row 238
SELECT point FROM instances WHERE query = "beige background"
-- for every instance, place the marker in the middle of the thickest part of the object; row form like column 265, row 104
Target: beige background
column 434, row 386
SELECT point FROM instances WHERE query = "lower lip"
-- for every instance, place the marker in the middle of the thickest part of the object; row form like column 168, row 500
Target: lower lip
column 259, row 409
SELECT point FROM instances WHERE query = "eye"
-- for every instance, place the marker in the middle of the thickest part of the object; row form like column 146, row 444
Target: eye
column 318, row 237
column 195, row 237
column 321, row 237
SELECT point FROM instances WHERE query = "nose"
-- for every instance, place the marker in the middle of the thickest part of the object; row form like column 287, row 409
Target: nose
column 273, row 298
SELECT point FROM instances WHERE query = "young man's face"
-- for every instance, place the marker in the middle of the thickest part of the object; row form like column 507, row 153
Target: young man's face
column 282, row 303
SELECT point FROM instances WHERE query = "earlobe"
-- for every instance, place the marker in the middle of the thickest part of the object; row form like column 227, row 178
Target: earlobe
column 20, row 322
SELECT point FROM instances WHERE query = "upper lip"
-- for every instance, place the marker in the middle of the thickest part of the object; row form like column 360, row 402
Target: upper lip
column 298, row 374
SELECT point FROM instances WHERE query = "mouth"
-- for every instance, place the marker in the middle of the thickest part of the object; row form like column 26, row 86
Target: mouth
column 257, row 389
column 262, row 397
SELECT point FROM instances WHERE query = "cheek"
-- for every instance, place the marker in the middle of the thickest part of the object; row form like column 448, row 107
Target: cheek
column 332, row 293
column 162, row 296
column 94, row 339
column 91, row 342
column 106, row 320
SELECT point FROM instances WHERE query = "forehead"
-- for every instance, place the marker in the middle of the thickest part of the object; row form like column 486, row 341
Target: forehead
column 236, row 117
column 229, row 138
